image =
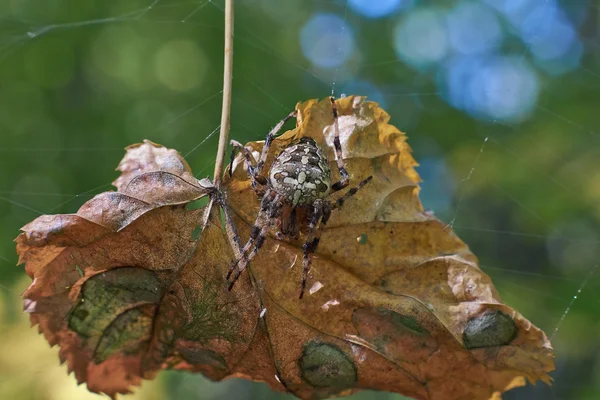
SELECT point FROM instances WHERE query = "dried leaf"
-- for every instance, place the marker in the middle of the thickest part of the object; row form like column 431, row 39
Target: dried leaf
column 99, row 275
column 393, row 280
column 134, row 283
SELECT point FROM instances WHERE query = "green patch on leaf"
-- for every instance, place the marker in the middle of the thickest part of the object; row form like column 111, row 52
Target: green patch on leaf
column 489, row 329
column 203, row 357
column 196, row 232
column 210, row 318
column 397, row 336
column 403, row 322
column 324, row 365
column 104, row 297
column 196, row 204
column 127, row 334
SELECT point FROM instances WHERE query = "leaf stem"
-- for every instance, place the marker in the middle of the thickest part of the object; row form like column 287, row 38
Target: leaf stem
column 227, row 84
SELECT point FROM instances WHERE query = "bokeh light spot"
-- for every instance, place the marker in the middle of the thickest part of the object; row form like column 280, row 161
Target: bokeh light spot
column 420, row 39
column 511, row 8
column 180, row 65
column 548, row 32
column 473, row 29
column 118, row 52
column 327, row 40
column 497, row 88
column 567, row 62
column 378, row 8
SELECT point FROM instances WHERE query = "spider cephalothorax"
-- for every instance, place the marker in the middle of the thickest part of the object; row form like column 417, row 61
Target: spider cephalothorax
column 294, row 197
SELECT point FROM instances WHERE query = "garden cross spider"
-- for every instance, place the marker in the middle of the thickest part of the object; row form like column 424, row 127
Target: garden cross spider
column 294, row 196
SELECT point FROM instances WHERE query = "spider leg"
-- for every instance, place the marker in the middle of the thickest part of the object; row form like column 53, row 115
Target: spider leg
column 344, row 178
column 257, row 238
column 322, row 212
column 237, row 148
column 339, row 202
column 246, row 260
column 269, row 139
column 258, row 182
column 256, row 228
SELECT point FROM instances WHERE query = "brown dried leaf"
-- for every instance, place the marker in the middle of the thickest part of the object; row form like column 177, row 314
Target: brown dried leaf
column 134, row 283
column 393, row 289
column 99, row 275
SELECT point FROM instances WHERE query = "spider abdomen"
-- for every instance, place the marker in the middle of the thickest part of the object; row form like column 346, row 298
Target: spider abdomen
column 301, row 174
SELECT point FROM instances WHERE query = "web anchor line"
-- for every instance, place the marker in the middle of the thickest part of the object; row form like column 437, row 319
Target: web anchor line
column 575, row 297
column 467, row 178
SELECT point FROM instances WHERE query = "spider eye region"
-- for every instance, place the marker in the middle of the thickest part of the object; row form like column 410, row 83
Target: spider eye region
column 301, row 174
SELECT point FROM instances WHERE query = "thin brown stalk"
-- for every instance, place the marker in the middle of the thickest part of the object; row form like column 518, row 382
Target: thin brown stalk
column 227, row 84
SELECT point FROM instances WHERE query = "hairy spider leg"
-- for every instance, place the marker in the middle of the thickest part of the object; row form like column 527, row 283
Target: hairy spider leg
column 241, row 266
column 339, row 202
column 274, row 209
column 258, row 182
column 269, row 140
column 260, row 221
column 237, row 148
column 344, row 177
column 322, row 211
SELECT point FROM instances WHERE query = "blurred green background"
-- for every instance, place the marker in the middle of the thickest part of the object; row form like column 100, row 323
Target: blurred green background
column 499, row 99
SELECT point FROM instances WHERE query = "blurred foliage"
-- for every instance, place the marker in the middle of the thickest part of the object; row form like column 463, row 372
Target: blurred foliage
column 80, row 80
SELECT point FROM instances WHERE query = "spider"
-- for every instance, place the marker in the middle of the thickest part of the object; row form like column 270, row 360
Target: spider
column 294, row 196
